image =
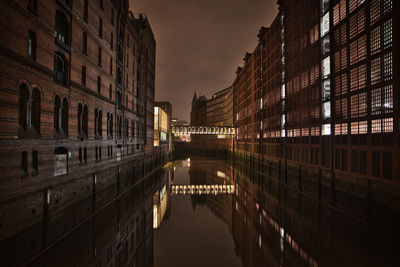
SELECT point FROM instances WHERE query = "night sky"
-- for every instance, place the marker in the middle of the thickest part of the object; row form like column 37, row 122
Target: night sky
column 200, row 43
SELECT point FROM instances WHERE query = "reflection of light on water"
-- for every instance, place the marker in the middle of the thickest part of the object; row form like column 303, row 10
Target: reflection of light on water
column 188, row 162
column 285, row 236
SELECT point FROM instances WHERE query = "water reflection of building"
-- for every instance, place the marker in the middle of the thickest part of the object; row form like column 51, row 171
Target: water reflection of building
column 215, row 173
column 121, row 234
column 161, row 199
column 276, row 226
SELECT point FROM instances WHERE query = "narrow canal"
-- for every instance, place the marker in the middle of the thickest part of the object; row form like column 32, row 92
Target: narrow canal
column 202, row 212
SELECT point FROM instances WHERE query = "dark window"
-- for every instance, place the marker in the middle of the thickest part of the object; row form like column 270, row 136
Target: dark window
column 363, row 162
column 64, row 116
column 101, row 4
column 84, row 43
column 127, row 60
column 100, row 124
column 61, row 28
column 112, row 41
column 110, row 91
column 376, row 163
column 99, row 152
column 387, row 165
column 32, row 6
column 344, row 160
column 354, row 161
column 111, row 66
column 24, row 164
column 23, row 106
column 85, row 155
column 85, row 10
column 98, row 84
column 32, row 45
column 99, row 56
column 96, row 115
column 60, row 69
column 35, row 110
column 80, row 156
column 80, row 113
column 100, row 28
column 57, row 113
column 337, row 159
column 35, row 170
column 84, row 75
column 119, row 99
column 112, row 16
column 85, row 121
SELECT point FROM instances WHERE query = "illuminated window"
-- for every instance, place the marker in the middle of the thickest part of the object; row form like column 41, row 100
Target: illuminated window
column 325, row 24
column 326, row 67
column 336, row 14
column 375, row 71
column 387, row 66
column 376, row 126
column 387, row 34
column 326, row 129
column 326, row 110
column 388, row 99
column 324, row 6
column 376, row 101
column 375, row 14
column 387, row 125
column 387, row 6
column 326, row 89
column 375, row 41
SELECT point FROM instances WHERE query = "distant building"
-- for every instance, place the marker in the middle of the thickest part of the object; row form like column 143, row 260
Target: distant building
column 162, row 125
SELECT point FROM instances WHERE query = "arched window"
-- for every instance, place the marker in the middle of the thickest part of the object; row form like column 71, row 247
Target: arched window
column 64, row 116
column 60, row 69
column 57, row 113
column 35, row 110
column 80, row 111
column 32, row 45
column 85, row 121
column 23, row 95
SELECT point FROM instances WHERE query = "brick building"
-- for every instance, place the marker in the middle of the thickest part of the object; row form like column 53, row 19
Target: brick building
column 321, row 89
column 77, row 97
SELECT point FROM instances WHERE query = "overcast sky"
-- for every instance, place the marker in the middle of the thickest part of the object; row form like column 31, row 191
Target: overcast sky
column 200, row 43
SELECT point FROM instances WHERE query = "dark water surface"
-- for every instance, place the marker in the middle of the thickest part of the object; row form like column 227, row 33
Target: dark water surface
column 234, row 217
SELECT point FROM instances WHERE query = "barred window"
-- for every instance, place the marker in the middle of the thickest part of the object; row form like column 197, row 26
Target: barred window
column 357, row 23
column 359, row 105
column 375, row 71
column 388, row 99
column 344, row 83
column 358, row 50
column 342, row 9
column 336, row 14
column 376, row 126
column 375, row 14
column 387, row 6
column 343, row 32
column 387, row 34
column 376, row 101
column 387, row 125
column 353, row 4
column 358, row 77
column 375, row 40
column 387, row 67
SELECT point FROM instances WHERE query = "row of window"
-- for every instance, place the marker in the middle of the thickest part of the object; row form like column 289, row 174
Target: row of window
column 29, row 117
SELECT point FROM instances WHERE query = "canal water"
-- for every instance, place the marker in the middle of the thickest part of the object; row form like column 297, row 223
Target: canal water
column 203, row 212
